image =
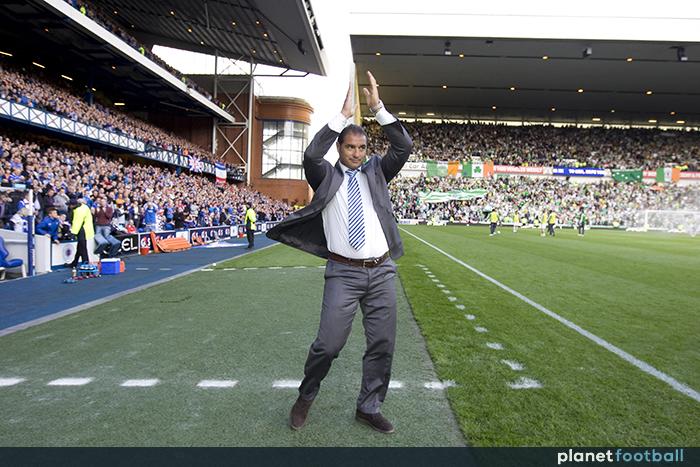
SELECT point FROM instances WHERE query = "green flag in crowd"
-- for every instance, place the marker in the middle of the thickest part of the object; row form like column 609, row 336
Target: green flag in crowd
column 627, row 175
column 431, row 168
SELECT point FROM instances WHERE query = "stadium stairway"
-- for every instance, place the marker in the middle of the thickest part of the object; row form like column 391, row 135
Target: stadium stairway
column 33, row 300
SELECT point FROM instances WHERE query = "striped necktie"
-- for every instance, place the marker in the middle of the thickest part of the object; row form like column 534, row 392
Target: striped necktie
column 356, row 219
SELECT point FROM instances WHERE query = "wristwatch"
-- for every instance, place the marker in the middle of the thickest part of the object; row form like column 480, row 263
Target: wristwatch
column 376, row 109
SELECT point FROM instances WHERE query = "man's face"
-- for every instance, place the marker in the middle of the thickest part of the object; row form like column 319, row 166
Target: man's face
column 353, row 150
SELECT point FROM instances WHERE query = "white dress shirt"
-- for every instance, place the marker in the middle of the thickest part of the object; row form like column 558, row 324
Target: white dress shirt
column 335, row 214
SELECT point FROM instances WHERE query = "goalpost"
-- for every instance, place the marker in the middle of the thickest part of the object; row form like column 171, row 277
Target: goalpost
column 687, row 222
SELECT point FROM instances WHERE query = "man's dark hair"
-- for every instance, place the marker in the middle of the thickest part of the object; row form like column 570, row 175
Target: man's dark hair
column 351, row 129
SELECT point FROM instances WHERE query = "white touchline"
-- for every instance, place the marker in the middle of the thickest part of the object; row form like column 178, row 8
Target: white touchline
column 439, row 384
column 206, row 270
column 229, row 269
column 480, row 329
column 139, row 383
column 299, row 267
column 441, row 286
column 142, row 269
column 494, row 345
column 275, row 267
column 515, row 366
column 70, row 382
column 286, row 383
column 435, row 280
column 395, row 384
column 452, row 299
column 470, row 317
column 459, row 307
column 165, row 269
column 525, row 383
column 445, row 291
column 249, row 269
column 217, row 383
column 645, row 367
column 10, row 381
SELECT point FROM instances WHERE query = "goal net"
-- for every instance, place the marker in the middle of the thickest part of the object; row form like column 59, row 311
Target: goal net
column 686, row 222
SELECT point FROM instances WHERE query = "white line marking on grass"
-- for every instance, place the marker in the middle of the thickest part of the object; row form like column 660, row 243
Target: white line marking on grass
column 249, row 269
column 275, row 267
column 525, row 383
column 217, row 383
column 452, row 299
column 439, row 384
column 287, row 383
column 645, row 367
column 480, row 329
column 515, row 366
column 206, row 270
column 139, row 383
column 494, row 345
column 321, row 267
column 299, row 267
column 445, row 291
column 229, row 269
column 165, row 269
column 435, row 280
column 395, row 384
column 70, row 382
column 470, row 317
column 460, row 307
column 11, row 381
column 142, row 269
column 441, row 286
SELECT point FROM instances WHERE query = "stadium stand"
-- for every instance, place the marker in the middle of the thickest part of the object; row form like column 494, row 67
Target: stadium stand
column 548, row 145
column 606, row 203
column 58, row 173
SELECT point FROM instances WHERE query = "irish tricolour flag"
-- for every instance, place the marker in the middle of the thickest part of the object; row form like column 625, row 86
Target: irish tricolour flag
column 477, row 168
column 668, row 174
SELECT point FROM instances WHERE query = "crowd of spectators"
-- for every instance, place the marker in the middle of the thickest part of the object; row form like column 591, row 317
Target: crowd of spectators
column 104, row 20
column 605, row 203
column 545, row 145
column 37, row 92
column 146, row 195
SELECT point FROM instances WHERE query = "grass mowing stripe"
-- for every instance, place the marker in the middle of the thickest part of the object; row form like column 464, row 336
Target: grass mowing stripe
column 645, row 367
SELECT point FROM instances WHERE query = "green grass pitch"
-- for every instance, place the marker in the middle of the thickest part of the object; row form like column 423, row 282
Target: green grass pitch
column 253, row 324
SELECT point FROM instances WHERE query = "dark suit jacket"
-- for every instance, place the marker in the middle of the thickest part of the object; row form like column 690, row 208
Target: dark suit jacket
column 303, row 229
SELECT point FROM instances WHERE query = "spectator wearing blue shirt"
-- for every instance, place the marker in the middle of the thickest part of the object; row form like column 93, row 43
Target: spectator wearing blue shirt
column 150, row 209
column 49, row 225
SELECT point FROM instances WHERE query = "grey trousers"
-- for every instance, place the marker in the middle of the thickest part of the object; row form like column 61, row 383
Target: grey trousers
column 374, row 290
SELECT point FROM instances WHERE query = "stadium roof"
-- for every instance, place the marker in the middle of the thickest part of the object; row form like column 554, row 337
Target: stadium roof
column 418, row 78
column 271, row 32
column 39, row 31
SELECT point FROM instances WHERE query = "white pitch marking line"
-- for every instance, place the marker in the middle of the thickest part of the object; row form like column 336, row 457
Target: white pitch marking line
column 395, row 384
column 70, row 382
column 525, row 383
column 229, row 269
column 445, row 291
column 286, row 383
column 459, row 307
column 515, row 366
column 439, row 384
column 435, row 280
column 142, row 269
column 11, row 381
column 480, row 329
column 299, row 267
column 139, row 383
column 206, row 269
column 217, row 383
column 442, row 286
column 165, row 269
column 452, row 299
column 494, row 345
column 321, row 267
column 645, row 367
column 470, row 317
column 275, row 267
column 249, row 269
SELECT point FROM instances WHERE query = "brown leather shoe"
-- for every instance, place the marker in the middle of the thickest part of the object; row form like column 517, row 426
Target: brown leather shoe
column 376, row 421
column 300, row 409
